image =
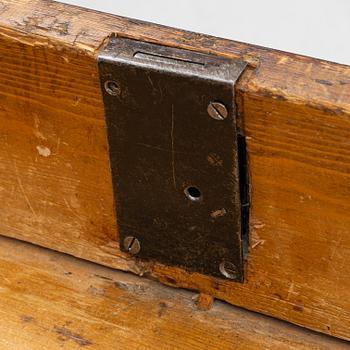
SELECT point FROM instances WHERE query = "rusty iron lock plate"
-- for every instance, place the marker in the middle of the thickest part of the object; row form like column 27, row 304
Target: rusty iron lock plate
column 171, row 126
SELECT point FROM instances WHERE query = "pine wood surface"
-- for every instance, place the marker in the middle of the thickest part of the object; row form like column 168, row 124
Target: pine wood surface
column 50, row 301
column 55, row 184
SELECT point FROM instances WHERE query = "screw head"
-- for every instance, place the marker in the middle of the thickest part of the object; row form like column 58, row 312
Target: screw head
column 132, row 245
column 217, row 111
column 112, row 87
column 228, row 269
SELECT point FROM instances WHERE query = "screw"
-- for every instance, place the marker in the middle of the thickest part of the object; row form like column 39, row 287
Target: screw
column 112, row 87
column 132, row 245
column 217, row 110
column 228, row 269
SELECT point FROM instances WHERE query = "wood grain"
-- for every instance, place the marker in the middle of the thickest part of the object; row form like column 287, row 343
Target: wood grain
column 55, row 182
column 53, row 301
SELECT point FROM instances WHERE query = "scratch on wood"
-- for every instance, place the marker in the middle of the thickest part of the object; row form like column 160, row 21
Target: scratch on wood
column 22, row 39
column 77, row 36
column 257, row 243
column 66, row 334
column 291, row 291
column 58, row 144
column 70, row 209
column 19, row 181
column 335, row 249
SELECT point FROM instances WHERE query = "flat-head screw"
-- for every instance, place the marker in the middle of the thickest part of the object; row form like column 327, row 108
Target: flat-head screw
column 112, row 87
column 228, row 269
column 217, row 110
column 132, row 245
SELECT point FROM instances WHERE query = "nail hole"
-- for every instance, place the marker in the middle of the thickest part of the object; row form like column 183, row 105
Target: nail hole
column 112, row 87
column 193, row 193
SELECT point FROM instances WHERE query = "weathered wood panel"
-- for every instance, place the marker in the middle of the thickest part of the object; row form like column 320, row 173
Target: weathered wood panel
column 53, row 301
column 55, row 182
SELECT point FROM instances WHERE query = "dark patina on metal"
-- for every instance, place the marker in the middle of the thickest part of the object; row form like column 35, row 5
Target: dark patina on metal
column 171, row 125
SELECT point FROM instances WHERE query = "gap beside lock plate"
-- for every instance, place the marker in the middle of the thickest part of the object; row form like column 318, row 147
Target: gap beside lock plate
column 177, row 161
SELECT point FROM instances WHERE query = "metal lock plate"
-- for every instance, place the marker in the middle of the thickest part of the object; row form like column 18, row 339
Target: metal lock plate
column 171, row 125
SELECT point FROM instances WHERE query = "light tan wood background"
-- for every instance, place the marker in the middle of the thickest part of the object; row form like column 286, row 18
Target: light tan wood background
column 51, row 301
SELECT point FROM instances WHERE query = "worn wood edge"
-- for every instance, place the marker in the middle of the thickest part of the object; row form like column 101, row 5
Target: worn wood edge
column 55, row 32
column 57, row 300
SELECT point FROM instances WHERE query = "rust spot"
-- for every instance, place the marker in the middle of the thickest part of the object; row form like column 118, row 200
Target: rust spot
column 65, row 335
